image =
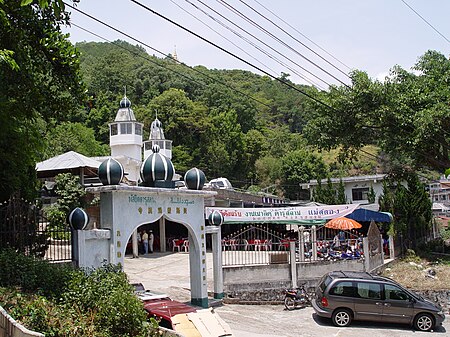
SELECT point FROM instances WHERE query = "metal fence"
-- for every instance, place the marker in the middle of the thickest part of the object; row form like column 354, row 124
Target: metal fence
column 24, row 228
column 258, row 244
column 253, row 245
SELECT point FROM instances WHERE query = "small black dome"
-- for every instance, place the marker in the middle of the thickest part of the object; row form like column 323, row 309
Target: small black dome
column 125, row 102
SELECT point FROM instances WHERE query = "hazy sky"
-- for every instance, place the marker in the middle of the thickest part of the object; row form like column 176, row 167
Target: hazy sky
column 371, row 35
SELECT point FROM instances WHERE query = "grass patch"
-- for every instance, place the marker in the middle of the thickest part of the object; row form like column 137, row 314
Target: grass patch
column 421, row 273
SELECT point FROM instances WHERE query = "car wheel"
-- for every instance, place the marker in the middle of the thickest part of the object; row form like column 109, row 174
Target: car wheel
column 289, row 303
column 423, row 322
column 342, row 317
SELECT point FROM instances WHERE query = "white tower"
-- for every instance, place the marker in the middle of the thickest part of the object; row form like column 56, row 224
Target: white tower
column 157, row 138
column 125, row 139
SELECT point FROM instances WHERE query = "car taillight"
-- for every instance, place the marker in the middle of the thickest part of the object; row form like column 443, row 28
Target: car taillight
column 324, row 302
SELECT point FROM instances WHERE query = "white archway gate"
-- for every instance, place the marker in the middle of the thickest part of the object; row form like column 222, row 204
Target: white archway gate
column 124, row 208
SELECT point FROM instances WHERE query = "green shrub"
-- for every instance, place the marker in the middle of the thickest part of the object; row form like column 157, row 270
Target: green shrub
column 62, row 301
column 445, row 233
column 106, row 290
column 44, row 315
column 410, row 256
column 33, row 274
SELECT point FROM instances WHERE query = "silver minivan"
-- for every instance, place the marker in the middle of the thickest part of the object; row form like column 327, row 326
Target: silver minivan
column 344, row 296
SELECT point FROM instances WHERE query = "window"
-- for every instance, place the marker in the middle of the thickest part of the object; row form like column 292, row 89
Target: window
column 113, row 129
column 343, row 289
column 369, row 290
column 126, row 128
column 138, row 129
column 325, row 282
column 395, row 293
column 360, row 193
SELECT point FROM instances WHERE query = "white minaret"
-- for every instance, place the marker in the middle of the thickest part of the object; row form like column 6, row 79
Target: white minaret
column 157, row 138
column 125, row 139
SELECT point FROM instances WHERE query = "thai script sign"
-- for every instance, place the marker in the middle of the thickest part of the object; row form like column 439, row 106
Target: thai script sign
column 282, row 214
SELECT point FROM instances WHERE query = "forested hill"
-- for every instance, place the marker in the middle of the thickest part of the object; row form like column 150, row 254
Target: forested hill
column 230, row 123
column 252, row 129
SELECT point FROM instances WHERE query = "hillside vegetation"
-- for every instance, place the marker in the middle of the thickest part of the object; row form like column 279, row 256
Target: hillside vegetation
column 230, row 123
column 259, row 132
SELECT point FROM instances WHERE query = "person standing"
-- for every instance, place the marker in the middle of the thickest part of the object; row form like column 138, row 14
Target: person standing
column 139, row 240
column 151, row 238
column 145, row 241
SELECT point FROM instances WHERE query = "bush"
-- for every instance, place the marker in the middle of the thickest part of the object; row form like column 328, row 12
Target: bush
column 410, row 256
column 445, row 233
column 69, row 302
column 118, row 312
column 32, row 274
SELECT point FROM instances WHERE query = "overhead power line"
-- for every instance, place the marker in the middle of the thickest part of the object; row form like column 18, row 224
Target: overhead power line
column 295, row 29
column 265, row 44
column 232, row 54
column 254, row 45
column 428, row 23
column 255, row 24
column 294, row 38
column 221, row 35
column 160, row 52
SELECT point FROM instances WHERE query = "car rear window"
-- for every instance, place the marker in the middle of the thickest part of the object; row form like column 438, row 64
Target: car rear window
column 324, row 282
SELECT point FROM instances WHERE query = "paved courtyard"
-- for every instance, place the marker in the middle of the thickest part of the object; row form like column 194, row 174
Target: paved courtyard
column 169, row 273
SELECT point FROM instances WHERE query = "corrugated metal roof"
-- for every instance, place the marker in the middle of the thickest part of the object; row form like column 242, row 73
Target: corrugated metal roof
column 68, row 160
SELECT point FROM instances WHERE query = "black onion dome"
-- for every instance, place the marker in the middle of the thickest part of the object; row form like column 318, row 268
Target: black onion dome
column 157, row 167
column 125, row 102
column 111, row 172
column 156, row 148
column 194, row 179
column 216, row 218
column 78, row 219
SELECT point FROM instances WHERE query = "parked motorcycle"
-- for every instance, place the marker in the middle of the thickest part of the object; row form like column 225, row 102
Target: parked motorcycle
column 295, row 298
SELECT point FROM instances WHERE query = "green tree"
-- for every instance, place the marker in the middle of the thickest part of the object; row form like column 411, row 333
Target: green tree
column 340, row 193
column 371, row 196
column 269, row 174
column 70, row 195
column 39, row 69
column 76, row 137
column 406, row 116
column 255, row 146
column 300, row 166
column 330, row 194
column 186, row 123
column 410, row 206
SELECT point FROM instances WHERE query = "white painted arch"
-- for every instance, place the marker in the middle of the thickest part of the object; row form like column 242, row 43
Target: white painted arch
column 124, row 208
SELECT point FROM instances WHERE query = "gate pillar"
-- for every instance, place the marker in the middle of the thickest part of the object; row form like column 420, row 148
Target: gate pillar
column 124, row 208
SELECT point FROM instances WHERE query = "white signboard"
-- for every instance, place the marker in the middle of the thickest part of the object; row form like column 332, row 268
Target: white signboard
column 282, row 214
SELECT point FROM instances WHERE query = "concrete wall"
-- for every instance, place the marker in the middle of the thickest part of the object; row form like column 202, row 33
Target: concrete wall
column 10, row 328
column 268, row 282
column 95, row 247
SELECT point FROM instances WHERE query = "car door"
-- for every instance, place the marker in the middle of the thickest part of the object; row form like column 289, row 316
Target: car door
column 368, row 301
column 397, row 306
